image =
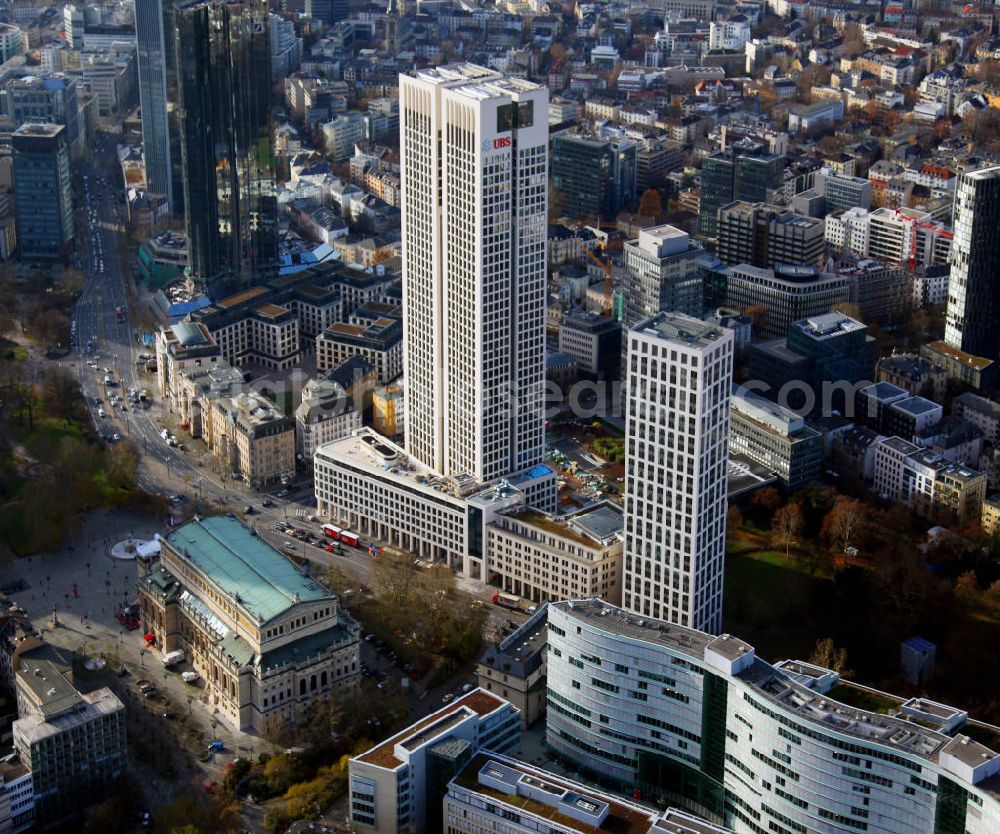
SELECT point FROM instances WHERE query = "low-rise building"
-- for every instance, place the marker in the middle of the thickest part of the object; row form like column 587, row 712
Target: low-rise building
column 17, row 796
column 397, row 785
column 775, row 437
column 990, row 520
column 917, row 375
column 73, row 743
column 249, row 435
column 541, row 557
column 266, row 639
column 496, row 793
column 981, row 412
column 514, row 668
column 180, row 348
column 380, row 342
column 325, row 413
column 978, row 372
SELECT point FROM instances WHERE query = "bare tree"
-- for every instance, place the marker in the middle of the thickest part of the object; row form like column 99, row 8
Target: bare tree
column 845, row 524
column 786, row 527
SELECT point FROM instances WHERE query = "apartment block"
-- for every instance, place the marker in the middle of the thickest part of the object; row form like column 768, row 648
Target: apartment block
column 397, row 785
column 266, row 639
column 380, row 343
column 698, row 721
column 325, row 413
column 928, row 483
column 541, row 557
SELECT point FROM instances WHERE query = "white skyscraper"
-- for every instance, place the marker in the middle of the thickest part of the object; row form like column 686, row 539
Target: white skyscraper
column 677, row 451
column 473, row 160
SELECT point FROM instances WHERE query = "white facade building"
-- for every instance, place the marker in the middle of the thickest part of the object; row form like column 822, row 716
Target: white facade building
column 474, row 150
column 729, row 34
column 677, row 440
column 681, row 717
column 389, row 784
column 895, row 236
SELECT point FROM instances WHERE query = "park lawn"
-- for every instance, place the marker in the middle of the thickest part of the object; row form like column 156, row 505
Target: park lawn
column 46, row 433
column 13, row 527
column 772, row 606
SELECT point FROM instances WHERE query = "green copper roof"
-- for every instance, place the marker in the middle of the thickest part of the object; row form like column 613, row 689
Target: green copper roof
column 258, row 577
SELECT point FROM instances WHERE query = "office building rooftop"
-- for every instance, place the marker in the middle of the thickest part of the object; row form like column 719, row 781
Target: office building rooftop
column 684, row 330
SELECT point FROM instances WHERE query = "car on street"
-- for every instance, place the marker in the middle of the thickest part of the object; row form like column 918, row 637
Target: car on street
column 267, row 502
column 216, row 746
column 448, row 698
column 289, row 545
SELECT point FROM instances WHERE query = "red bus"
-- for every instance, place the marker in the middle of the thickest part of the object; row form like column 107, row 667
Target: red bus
column 332, row 531
column 347, row 537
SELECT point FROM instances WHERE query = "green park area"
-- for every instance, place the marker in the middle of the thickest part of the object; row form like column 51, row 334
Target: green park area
column 842, row 581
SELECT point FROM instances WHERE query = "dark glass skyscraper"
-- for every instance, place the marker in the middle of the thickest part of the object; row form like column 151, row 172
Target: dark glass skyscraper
column 151, row 50
column 224, row 81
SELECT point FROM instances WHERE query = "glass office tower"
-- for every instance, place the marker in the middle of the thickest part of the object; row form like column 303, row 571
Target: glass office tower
column 224, row 80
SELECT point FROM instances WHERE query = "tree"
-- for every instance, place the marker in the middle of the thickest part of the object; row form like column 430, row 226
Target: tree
column 967, row 587
column 734, row 518
column 845, row 524
column 786, row 526
column 828, row 655
column 759, row 317
column 767, row 499
column 651, row 204
column 392, row 577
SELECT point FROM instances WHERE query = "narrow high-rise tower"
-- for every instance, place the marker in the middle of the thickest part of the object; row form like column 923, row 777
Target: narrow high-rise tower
column 973, row 285
column 224, row 81
column 679, row 378
column 151, row 53
column 473, row 158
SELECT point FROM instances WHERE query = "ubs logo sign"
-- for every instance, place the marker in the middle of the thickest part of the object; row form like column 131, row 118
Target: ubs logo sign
column 496, row 144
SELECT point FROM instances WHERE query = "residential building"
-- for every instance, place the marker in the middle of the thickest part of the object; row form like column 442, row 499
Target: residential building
column 325, row 413
column 249, row 327
column 369, row 484
column 811, row 119
column 662, row 273
column 380, row 342
column 764, row 235
column 973, row 297
column 17, row 797
column 341, row 134
column 12, row 42
column 494, row 793
column 266, row 639
column 397, row 785
column 990, row 520
column 775, row 437
column 179, row 348
column 541, row 557
column 696, row 720
column 73, row 743
column 903, row 236
column 474, row 326
column 817, row 366
column 594, row 178
column 928, row 483
column 43, row 188
column 743, row 171
column 678, row 374
column 388, row 410
column 786, row 294
column 285, row 47
column 249, row 435
column 152, row 43
column 514, row 667
column 978, row 372
column 224, row 81
column 981, row 412
column 595, row 342
column 918, row 376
